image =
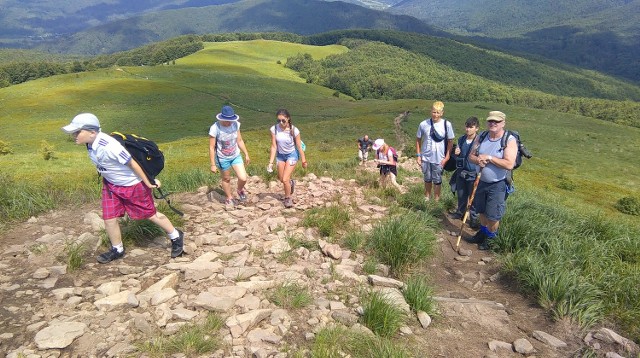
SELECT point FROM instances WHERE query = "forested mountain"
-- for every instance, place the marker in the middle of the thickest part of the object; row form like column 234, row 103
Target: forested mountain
column 603, row 35
column 295, row 16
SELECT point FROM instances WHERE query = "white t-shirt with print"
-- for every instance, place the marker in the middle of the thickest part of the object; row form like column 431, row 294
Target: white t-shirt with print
column 226, row 140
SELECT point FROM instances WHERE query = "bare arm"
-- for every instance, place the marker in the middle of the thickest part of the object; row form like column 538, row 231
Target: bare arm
column 418, row 151
column 303, row 158
column 212, row 153
column 140, row 173
column 243, row 148
column 274, row 148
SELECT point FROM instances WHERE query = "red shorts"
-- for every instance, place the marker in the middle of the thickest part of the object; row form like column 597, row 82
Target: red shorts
column 135, row 200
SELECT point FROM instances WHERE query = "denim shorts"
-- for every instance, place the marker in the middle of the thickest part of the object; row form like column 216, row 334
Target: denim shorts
column 490, row 199
column 432, row 172
column 226, row 164
column 291, row 158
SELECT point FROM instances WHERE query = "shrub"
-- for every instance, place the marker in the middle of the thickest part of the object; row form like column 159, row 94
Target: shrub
column 403, row 240
column 5, row 148
column 291, row 295
column 628, row 205
column 380, row 316
column 47, row 150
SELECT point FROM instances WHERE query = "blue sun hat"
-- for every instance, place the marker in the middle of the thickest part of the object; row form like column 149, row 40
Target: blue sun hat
column 227, row 114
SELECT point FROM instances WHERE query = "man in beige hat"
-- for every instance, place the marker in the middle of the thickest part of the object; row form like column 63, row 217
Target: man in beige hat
column 493, row 163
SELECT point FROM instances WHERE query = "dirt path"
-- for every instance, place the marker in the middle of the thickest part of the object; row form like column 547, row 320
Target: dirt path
column 477, row 305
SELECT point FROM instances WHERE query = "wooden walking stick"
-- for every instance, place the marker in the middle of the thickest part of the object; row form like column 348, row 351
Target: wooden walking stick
column 466, row 213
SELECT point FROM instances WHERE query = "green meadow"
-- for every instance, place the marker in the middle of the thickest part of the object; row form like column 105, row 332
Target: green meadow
column 581, row 165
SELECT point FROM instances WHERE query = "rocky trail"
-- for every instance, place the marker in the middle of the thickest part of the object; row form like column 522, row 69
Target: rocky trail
column 231, row 266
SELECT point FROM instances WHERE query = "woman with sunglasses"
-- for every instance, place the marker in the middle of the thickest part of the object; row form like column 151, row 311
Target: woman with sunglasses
column 286, row 147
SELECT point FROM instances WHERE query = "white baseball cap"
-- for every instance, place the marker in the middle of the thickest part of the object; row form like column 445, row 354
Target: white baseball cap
column 377, row 144
column 82, row 121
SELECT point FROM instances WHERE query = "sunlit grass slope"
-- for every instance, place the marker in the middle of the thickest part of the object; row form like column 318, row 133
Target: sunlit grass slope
column 587, row 163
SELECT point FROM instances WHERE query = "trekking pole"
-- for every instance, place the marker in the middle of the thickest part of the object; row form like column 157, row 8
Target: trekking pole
column 466, row 213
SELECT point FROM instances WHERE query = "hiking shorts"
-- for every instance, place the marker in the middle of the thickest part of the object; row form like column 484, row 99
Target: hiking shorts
column 490, row 199
column 386, row 169
column 226, row 164
column 291, row 158
column 135, row 200
column 432, row 172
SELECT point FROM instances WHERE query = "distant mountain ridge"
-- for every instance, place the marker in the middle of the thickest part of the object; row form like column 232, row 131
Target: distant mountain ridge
column 302, row 17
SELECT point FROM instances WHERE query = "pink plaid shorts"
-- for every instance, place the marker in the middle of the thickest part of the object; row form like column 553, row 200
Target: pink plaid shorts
column 135, row 200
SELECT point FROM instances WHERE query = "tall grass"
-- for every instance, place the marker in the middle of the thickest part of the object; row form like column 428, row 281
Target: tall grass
column 403, row 240
column 582, row 267
column 380, row 315
column 419, row 294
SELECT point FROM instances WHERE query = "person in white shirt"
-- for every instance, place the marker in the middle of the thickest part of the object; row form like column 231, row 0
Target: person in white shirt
column 125, row 189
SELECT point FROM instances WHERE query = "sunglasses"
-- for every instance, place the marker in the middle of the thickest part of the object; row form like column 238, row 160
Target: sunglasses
column 281, row 120
column 494, row 122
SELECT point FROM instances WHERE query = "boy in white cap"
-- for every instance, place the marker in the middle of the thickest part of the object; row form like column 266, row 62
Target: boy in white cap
column 125, row 188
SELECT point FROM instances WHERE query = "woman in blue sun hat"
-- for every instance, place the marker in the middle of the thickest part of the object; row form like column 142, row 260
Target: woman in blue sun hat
column 225, row 144
column 286, row 147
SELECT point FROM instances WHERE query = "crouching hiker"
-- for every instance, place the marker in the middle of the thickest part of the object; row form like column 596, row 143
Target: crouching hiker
column 493, row 166
column 125, row 187
column 387, row 160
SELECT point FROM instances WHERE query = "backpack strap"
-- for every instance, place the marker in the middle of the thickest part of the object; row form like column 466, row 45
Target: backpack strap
column 483, row 135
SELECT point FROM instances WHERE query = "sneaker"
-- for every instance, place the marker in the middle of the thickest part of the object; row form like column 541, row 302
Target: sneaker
column 177, row 245
column 485, row 245
column 242, row 195
column 229, row 202
column 293, row 185
column 288, row 203
column 110, row 255
column 478, row 238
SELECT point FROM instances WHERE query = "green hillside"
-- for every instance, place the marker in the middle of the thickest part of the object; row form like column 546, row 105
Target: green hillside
column 175, row 105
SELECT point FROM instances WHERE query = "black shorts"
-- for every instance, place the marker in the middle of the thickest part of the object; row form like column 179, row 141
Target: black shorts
column 386, row 169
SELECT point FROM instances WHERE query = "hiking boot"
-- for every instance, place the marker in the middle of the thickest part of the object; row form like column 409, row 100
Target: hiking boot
column 474, row 223
column 288, row 203
column 177, row 245
column 110, row 255
column 478, row 238
column 485, row 245
column 293, row 185
column 242, row 195
column 456, row 216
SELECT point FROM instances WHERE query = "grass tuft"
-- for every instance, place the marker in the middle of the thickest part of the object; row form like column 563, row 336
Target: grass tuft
column 328, row 220
column 291, row 296
column 338, row 341
column 403, row 241
column 381, row 316
column 419, row 295
column 190, row 340
column 75, row 254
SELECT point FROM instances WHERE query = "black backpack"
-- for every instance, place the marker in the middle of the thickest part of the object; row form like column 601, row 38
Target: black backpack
column 150, row 158
column 145, row 152
column 522, row 150
column 450, row 165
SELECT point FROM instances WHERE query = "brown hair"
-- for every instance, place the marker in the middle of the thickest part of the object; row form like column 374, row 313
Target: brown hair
column 284, row 112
